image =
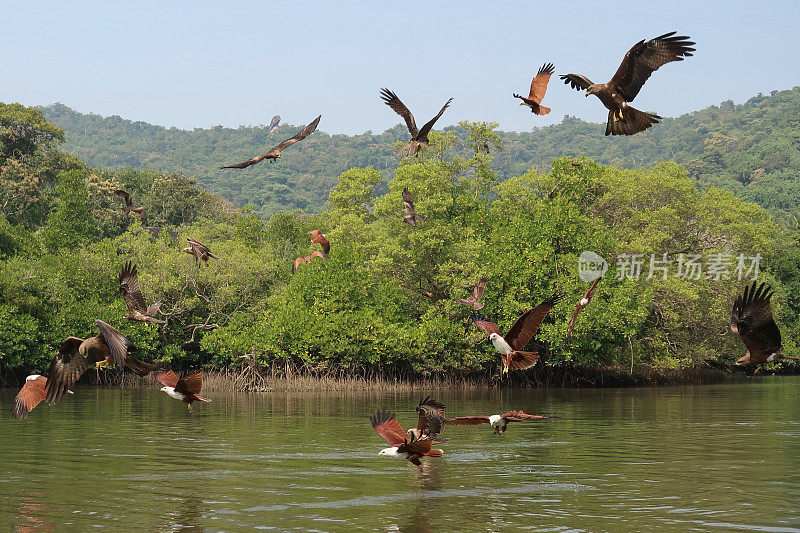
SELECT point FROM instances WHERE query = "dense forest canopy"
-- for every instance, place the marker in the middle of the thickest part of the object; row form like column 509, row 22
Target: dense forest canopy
column 384, row 297
column 750, row 149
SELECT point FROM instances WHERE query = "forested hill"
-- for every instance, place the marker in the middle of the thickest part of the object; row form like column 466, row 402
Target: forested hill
column 752, row 149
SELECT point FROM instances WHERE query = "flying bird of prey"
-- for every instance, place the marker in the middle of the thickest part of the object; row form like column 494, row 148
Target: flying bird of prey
column 274, row 124
column 583, row 304
column 185, row 389
column 752, row 321
column 418, row 137
column 511, row 345
column 306, row 260
column 134, row 300
column 30, row 395
column 538, row 90
column 199, row 250
column 474, row 301
column 644, row 58
column 401, row 445
column 317, row 237
column 430, row 421
column 129, row 207
column 498, row 422
column 410, row 216
column 275, row 152
column 76, row 355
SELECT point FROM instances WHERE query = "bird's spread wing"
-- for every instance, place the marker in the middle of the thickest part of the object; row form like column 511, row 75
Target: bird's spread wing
column 125, row 196
column 752, row 320
column 65, row 369
column 409, row 212
column 519, row 416
column 29, row 396
column 423, row 133
column 142, row 214
column 129, row 287
column 485, row 325
column 574, row 316
column 477, row 292
column 644, row 58
column 400, row 108
column 118, row 344
column 274, row 122
column 576, row 81
column 590, row 291
column 528, row 324
column 275, row 150
column 415, row 446
column 386, row 425
column 190, row 384
column 168, row 378
column 539, row 83
column 430, row 417
column 468, row 420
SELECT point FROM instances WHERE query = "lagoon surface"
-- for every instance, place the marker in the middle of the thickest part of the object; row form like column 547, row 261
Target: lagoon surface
column 702, row 458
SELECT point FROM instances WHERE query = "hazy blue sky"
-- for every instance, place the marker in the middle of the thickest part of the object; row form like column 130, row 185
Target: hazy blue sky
column 198, row 64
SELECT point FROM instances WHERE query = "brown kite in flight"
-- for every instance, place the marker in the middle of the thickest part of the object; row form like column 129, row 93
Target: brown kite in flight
column 129, row 207
column 275, row 152
column 418, row 137
column 538, row 89
column 638, row 64
column 752, row 321
column 76, row 355
column 511, row 345
column 430, row 419
column 199, row 250
column 498, row 422
column 474, row 301
column 274, row 123
column 402, row 446
column 134, row 300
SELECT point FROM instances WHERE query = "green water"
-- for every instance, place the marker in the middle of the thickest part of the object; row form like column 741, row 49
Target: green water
column 710, row 458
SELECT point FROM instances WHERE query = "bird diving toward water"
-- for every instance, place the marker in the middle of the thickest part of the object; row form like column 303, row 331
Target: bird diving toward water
column 644, row 58
column 583, row 304
column 752, row 321
column 129, row 207
column 498, row 422
column 401, row 445
column 199, row 250
column 275, row 152
column 419, row 137
column 538, row 90
column 474, row 300
column 317, row 237
column 410, row 215
column 274, row 123
column 511, row 345
column 30, row 395
column 306, row 260
column 185, row 389
column 134, row 300
column 76, row 355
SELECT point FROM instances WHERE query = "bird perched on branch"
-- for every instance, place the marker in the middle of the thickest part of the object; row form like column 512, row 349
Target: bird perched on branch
column 134, row 300
column 401, row 445
column 752, row 320
column 538, row 90
column 185, row 389
column 419, row 137
column 498, row 422
column 275, row 152
column 511, row 345
column 644, row 58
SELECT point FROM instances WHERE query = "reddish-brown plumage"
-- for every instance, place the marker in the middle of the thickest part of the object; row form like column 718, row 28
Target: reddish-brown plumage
column 186, row 388
column 385, row 424
column 306, row 260
column 538, row 90
column 474, row 301
column 499, row 422
column 588, row 295
column 317, row 237
column 30, row 395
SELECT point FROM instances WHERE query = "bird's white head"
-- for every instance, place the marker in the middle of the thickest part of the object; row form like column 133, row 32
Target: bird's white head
column 32, row 377
column 495, row 420
column 493, row 336
column 390, row 452
column 584, row 302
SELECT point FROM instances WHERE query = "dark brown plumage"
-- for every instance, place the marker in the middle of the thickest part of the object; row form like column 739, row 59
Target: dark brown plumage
column 644, row 58
column 410, row 216
column 199, row 250
column 76, row 355
column 186, row 389
column 275, row 152
column 474, row 301
column 752, row 320
column 538, row 90
column 402, row 445
column 430, row 419
column 418, row 137
column 583, row 304
column 498, row 422
column 129, row 207
column 512, row 345
column 274, row 123
column 317, row 237
column 134, row 300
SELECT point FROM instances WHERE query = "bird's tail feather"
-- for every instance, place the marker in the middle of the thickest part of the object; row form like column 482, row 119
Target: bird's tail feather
column 629, row 121
column 140, row 367
column 542, row 110
column 196, row 397
column 522, row 360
